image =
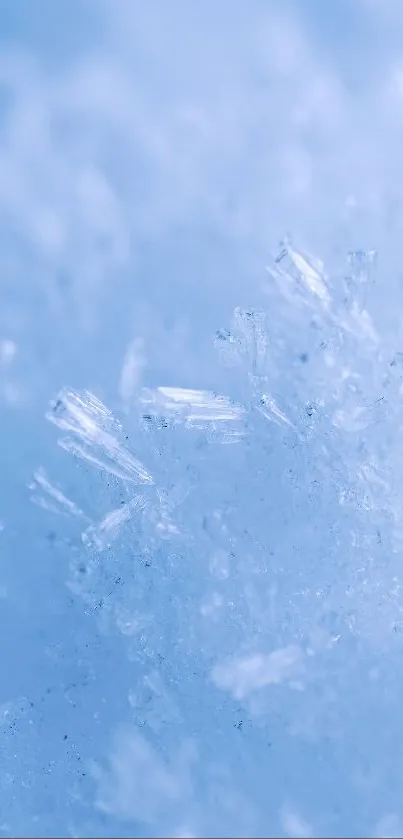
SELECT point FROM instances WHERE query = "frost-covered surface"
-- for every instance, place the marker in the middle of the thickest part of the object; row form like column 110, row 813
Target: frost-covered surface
column 201, row 519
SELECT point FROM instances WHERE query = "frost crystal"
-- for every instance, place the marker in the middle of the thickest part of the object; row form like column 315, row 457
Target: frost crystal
column 195, row 409
column 102, row 534
column 50, row 497
column 96, row 435
column 241, row 578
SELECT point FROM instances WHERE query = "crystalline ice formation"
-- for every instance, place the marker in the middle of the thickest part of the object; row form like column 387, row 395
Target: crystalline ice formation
column 270, row 410
column 50, row 497
column 294, row 272
column 195, row 408
column 324, row 391
column 96, row 435
column 102, row 534
column 264, row 564
column 315, row 372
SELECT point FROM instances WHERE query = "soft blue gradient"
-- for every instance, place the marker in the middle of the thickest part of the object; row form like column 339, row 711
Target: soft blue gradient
column 152, row 157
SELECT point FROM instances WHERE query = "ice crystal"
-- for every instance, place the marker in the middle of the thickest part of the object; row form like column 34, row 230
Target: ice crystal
column 266, row 559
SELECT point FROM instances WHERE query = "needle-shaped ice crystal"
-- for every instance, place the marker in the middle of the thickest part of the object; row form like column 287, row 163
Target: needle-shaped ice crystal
column 50, row 497
column 311, row 274
column 196, row 408
column 270, row 410
column 103, row 533
column 291, row 267
column 96, row 435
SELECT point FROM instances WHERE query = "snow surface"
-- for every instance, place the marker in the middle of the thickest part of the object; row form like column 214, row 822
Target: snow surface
column 201, row 518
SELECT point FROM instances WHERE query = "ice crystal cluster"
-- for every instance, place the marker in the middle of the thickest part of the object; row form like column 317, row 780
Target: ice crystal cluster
column 236, row 560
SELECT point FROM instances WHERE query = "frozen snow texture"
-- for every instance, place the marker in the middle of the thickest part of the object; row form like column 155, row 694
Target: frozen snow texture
column 254, row 672
column 251, row 572
column 150, row 153
column 140, row 785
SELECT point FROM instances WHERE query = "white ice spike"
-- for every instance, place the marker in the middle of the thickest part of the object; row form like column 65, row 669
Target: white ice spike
column 96, row 435
column 197, row 408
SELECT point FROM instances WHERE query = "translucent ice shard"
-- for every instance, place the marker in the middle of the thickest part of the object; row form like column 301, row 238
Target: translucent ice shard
column 96, row 435
column 311, row 274
column 50, row 497
column 196, row 408
column 293, row 269
column 270, row 410
column 102, row 534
